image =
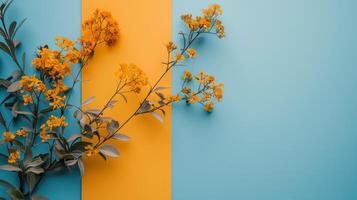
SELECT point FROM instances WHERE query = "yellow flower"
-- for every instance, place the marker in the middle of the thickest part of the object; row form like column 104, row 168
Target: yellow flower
column 174, row 98
column 43, row 134
column 21, row 133
column 209, row 106
column 27, row 99
column 64, row 43
column 31, row 84
column 13, row 157
column 171, row 46
column 179, row 57
column 212, row 10
column 191, row 53
column 100, row 27
column 218, row 91
column 55, row 122
column 191, row 23
column 187, row 76
column 132, row 76
column 8, row 136
column 193, row 99
column 90, row 150
column 52, row 63
column 73, row 56
column 186, row 90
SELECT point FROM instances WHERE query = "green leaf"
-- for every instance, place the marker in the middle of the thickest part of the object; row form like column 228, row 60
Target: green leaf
column 18, row 27
column 80, row 146
column 5, row 48
column 25, row 113
column 145, row 106
column 109, row 150
column 2, row 120
column 15, row 194
column 121, row 137
column 73, row 137
column 158, row 117
column 81, row 166
column 6, row 184
column 5, row 83
column 11, row 168
column 88, row 101
column 12, row 28
column 15, row 109
column 15, row 86
column 35, row 170
column 112, row 126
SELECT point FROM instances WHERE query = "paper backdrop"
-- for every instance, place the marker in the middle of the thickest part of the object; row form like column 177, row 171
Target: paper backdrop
column 285, row 130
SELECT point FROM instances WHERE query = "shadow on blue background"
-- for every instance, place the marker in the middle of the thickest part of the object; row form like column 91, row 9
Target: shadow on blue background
column 46, row 20
column 286, row 129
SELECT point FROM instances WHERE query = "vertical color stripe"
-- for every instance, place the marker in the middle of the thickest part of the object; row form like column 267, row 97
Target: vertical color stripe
column 286, row 129
column 46, row 20
column 143, row 171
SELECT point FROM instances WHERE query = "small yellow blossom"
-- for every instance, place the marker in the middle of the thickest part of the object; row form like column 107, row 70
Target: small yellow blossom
column 55, row 122
column 21, row 133
column 193, row 99
column 187, row 75
column 27, row 99
column 186, row 90
column 90, row 150
column 43, row 134
column 171, row 46
column 31, row 84
column 174, row 98
column 132, row 76
column 100, row 27
column 8, row 136
column 209, row 106
column 191, row 53
column 64, row 43
column 218, row 91
column 179, row 57
column 13, row 157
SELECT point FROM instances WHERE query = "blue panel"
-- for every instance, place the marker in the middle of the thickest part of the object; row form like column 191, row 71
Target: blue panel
column 286, row 129
column 45, row 20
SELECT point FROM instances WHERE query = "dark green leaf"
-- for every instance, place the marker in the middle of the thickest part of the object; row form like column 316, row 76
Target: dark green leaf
column 12, row 28
column 15, row 194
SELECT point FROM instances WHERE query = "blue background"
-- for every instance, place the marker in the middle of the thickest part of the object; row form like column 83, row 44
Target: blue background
column 46, row 20
column 286, row 129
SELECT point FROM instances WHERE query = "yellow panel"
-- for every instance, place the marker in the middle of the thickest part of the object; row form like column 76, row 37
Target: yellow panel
column 143, row 171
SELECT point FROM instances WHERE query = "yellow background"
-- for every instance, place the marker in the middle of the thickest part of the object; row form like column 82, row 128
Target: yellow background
column 143, row 171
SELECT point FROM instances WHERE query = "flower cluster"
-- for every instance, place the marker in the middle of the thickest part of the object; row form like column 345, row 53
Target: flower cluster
column 51, row 124
column 207, row 92
column 132, row 77
column 207, row 22
column 31, row 84
column 99, row 28
column 14, row 156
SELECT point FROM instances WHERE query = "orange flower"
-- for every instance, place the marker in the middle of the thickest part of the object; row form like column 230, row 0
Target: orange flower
column 13, row 157
column 8, row 136
column 21, row 133
column 209, row 106
column 191, row 53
